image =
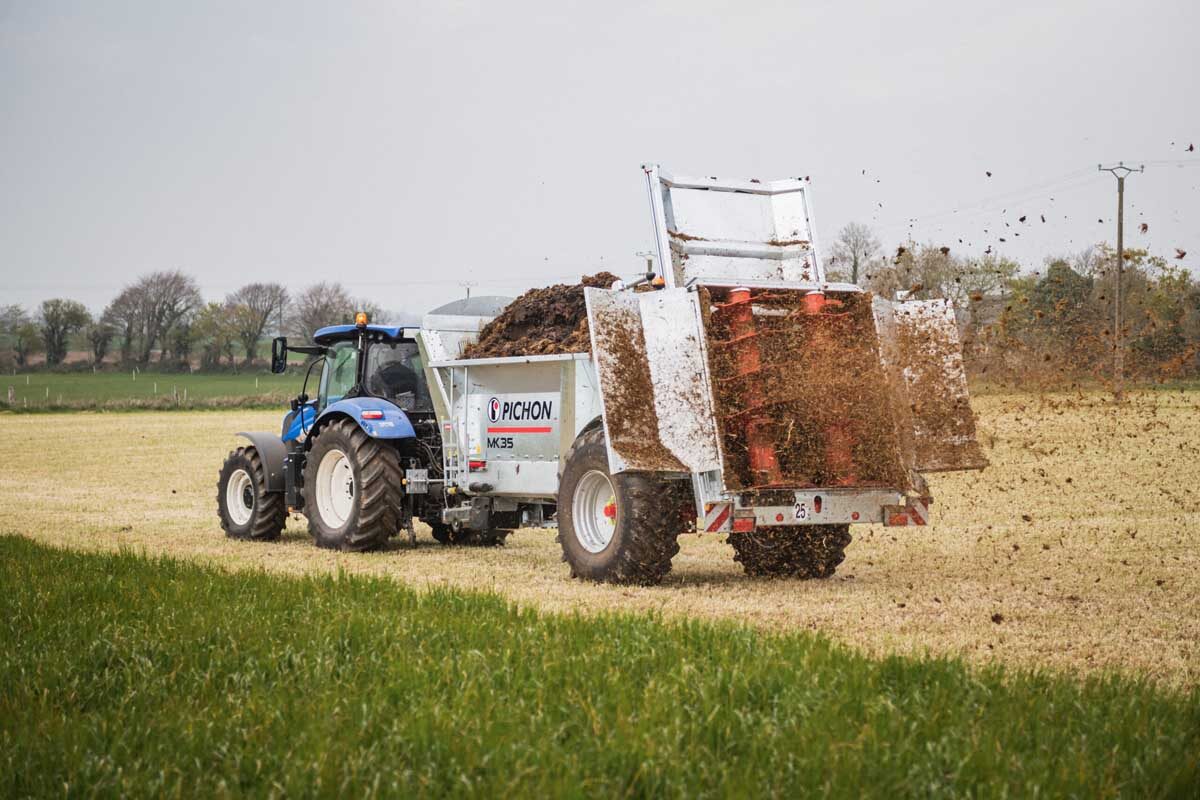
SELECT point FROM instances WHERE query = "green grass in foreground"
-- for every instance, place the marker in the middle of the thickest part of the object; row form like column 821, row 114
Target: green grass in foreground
column 121, row 675
column 38, row 391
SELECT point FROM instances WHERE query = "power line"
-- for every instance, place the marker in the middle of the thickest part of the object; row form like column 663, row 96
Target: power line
column 1180, row 162
column 1067, row 180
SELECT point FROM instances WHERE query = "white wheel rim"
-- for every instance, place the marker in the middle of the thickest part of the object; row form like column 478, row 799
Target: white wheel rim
column 594, row 511
column 335, row 489
column 239, row 497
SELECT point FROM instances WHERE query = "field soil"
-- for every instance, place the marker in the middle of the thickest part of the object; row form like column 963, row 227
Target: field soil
column 1077, row 549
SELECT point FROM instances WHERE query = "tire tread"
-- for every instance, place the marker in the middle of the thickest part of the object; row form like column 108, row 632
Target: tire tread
column 270, row 511
column 380, row 490
column 655, row 520
column 794, row 551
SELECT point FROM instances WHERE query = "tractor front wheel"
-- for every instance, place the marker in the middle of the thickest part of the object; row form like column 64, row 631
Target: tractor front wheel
column 795, row 551
column 353, row 494
column 247, row 510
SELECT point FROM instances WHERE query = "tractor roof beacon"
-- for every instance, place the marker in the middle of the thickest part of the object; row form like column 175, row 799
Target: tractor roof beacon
column 679, row 418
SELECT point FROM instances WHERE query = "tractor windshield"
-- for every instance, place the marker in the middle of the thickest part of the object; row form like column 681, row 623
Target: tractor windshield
column 338, row 376
column 395, row 373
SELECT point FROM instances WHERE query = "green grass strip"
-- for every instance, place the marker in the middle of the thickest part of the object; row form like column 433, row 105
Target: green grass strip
column 122, row 675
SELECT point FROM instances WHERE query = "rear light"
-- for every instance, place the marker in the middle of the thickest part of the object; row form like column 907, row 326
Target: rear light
column 475, row 466
column 743, row 524
column 372, row 414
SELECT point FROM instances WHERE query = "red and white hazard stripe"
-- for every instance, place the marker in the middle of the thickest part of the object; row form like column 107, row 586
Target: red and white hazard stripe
column 717, row 517
column 914, row 512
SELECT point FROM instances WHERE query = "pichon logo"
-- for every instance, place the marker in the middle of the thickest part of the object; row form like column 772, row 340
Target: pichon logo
column 519, row 410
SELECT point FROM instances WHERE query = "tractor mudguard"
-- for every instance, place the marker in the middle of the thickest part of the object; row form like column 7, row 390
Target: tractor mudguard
column 272, row 452
column 383, row 419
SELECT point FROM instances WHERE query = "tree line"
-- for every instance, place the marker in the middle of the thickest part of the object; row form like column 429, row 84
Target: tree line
column 1053, row 324
column 162, row 318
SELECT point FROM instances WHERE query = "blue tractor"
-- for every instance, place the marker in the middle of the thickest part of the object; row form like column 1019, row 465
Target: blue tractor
column 356, row 459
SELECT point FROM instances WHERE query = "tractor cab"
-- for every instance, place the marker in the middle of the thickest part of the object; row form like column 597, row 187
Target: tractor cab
column 370, row 373
column 372, row 361
column 361, row 360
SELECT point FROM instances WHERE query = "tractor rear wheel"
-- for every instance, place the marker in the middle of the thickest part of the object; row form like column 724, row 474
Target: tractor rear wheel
column 246, row 508
column 618, row 528
column 353, row 494
column 794, row 551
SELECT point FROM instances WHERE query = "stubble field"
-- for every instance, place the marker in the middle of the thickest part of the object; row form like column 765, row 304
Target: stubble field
column 1076, row 550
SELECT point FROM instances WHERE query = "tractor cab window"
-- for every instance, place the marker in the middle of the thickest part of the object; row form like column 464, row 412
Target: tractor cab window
column 338, row 376
column 395, row 373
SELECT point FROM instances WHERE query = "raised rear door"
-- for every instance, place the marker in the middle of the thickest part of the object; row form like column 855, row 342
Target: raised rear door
column 651, row 367
column 922, row 359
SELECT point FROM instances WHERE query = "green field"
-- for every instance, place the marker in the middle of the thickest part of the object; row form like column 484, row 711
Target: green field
column 126, row 676
column 86, row 390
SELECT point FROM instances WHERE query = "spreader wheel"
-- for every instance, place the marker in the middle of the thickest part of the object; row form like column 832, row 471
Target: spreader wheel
column 440, row 531
column 618, row 528
column 493, row 537
column 795, row 551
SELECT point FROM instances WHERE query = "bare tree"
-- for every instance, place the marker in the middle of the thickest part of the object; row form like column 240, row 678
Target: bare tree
column 927, row 271
column 162, row 299
column 122, row 314
column 22, row 333
column 214, row 328
column 319, row 305
column 59, row 319
column 181, row 338
column 855, row 249
column 100, row 335
column 252, row 308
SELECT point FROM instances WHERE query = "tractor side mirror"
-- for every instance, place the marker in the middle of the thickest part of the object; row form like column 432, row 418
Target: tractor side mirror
column 279, row 355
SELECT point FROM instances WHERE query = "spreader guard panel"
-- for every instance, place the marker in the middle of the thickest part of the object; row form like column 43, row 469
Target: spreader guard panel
column 922, row 359
column 724, row 232
column 652, row 371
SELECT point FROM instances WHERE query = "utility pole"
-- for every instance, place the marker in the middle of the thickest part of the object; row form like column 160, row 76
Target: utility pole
column 1121, row 172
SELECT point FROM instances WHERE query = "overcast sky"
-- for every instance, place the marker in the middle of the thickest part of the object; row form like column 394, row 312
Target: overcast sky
column 405, row 148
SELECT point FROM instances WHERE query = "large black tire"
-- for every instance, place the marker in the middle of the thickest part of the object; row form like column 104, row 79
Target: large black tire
column 649, row 515
column 255, row 513
column 442, row 532
column 795, row 551
column 376, row 504
column 447, row 535
column 493, row 537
